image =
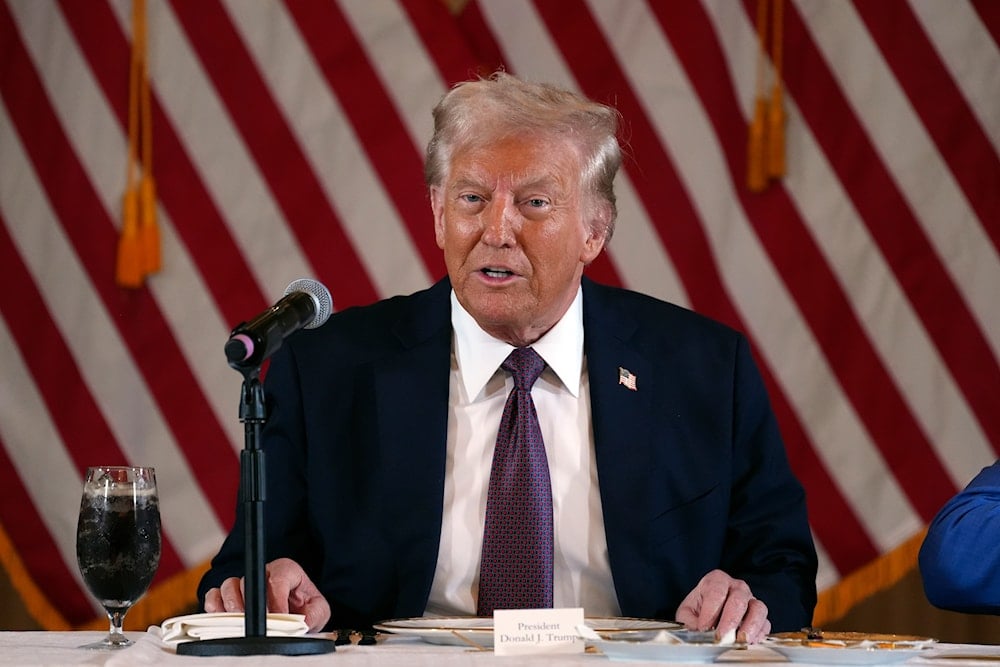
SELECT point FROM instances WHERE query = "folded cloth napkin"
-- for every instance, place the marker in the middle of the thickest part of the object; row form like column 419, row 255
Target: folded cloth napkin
column 214, row 626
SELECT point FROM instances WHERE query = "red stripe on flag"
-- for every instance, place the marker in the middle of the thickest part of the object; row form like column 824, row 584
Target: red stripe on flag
column 443, row 40
column 595, row 66
column 856, row 364
column 831, row 517
column 52, row 366
column 35, row 546
column 889, row 219
column 74, row 413
column 652, row 170
column 807, row 276
column 376, row 122
column 849, row 553
column 179, row 186
column 953, row 127
column 139, row 321
column 480, row 38
column 989, row 13
column 275, row 150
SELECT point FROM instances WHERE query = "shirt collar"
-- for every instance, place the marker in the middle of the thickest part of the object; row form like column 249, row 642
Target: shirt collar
column 479, row 354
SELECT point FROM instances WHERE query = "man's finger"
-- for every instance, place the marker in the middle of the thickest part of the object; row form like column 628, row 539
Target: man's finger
column 755, row 626
column 213, row 601
column 231, row 593
column 280, row 585
column 702, row 607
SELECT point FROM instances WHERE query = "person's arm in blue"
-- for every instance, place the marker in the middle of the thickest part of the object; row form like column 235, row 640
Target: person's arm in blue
column 960, row 556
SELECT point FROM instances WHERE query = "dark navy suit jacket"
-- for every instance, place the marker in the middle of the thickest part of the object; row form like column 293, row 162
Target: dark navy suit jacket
column 692, row 471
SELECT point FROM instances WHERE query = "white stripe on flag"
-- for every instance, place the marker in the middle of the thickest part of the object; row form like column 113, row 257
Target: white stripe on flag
column 402, row 62
column 883, row 309
column 758, row 291
column 134, row 418
column 99, row 142
column 38, row 453
column 220, row 155
column 970, row 55
column 902, row 141
column 338, row 160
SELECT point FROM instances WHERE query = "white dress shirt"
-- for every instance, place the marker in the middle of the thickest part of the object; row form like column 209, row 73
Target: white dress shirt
column 478, row 392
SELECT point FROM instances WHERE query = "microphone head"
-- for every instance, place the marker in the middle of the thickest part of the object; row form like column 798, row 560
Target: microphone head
column 321, row 298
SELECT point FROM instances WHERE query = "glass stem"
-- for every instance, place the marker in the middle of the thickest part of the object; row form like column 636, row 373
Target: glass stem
column 115, row 636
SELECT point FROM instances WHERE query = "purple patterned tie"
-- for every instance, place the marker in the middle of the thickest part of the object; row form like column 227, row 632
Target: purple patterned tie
column 516, row 568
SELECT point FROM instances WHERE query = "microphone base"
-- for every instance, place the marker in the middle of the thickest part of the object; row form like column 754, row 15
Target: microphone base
column 257, row 646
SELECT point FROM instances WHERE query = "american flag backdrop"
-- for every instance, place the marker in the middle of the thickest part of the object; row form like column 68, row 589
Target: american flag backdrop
column 287, row 142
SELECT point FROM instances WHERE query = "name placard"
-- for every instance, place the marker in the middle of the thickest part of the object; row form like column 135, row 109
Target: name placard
column 524, row 631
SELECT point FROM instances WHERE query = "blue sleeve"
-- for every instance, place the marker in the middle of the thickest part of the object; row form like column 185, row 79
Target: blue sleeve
column 960, row 557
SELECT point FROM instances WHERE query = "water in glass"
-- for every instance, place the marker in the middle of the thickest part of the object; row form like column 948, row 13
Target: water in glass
column 118, row 540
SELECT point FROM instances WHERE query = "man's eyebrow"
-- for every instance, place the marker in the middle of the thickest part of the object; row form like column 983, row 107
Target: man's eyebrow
column 545, row 181
column 466, row 183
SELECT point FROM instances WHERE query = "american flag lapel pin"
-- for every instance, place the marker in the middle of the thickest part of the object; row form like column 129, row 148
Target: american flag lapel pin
column 626, row 377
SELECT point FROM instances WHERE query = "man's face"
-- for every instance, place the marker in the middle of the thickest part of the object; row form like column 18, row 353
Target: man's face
column 513, row 223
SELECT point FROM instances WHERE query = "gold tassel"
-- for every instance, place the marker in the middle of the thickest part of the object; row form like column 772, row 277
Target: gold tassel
column 756, row 169
column 139, row 241
column 756, row 146
column 776, row 107
column 128, row 269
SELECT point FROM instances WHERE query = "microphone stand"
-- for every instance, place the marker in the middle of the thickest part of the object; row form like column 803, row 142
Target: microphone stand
column 255, row 642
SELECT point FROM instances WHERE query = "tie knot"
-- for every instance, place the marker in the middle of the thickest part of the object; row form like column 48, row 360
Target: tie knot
column 525, row 364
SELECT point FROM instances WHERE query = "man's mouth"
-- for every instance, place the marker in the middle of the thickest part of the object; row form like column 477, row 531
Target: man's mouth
column 497, row 273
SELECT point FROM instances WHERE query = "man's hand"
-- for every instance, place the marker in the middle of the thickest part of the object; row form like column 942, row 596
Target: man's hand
column 289, row 591
column 726, row 604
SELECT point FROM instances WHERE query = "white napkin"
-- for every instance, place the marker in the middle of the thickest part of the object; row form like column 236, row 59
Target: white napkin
column 214, row 626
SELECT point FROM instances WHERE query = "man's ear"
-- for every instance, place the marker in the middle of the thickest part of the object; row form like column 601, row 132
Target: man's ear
column 593, row 244
column 597, row 233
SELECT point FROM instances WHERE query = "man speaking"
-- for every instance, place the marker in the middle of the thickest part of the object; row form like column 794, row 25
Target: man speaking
column 518, row 435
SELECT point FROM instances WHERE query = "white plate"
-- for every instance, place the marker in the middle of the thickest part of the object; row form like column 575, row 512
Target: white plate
column 466, row 631
column 860, row 654
column 660, row 651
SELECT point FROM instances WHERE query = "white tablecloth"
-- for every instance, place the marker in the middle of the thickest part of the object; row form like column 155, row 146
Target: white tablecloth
column 51, row 649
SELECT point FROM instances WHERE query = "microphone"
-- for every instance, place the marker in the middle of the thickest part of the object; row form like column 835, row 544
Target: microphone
column 306, row 305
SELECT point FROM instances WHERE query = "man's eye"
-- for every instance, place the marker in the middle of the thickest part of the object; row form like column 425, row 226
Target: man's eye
column 537, row 202
column 471, row 199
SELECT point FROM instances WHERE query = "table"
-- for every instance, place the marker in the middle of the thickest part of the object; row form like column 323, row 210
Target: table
column 53, row 649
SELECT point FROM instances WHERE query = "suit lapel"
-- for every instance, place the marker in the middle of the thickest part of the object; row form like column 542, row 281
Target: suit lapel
column 621, row 422
column 411, row 396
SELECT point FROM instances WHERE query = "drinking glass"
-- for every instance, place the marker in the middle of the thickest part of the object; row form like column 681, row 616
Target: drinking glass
column 118, row 541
